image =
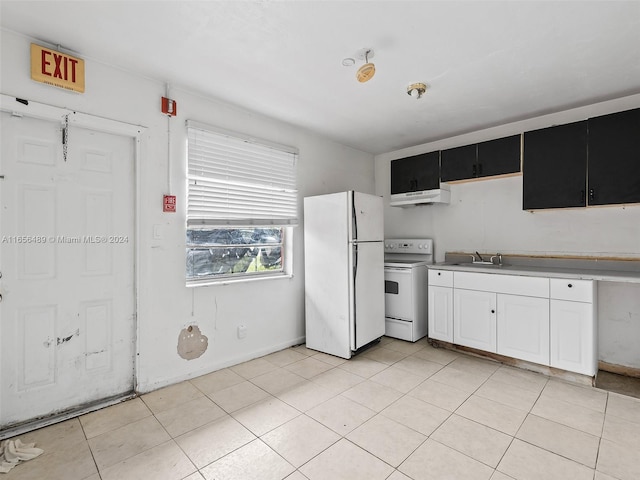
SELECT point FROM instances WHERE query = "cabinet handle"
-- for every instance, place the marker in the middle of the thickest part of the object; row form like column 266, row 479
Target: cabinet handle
column 473, row 170
column 479, row 169
column 570, row 285
column 592, row 194
column 439, row 274
column 493, row 311
column 582, row 197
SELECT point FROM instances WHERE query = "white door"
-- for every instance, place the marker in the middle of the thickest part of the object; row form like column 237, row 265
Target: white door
column 368, row 290
column 474, row 319
column 523, row 328
column 67, row 261
column 573, row 342
column 398, row 293
column 441, row 313
column 367, row 211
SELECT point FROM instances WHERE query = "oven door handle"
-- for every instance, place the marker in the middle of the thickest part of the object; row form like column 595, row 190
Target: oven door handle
column 397, row 270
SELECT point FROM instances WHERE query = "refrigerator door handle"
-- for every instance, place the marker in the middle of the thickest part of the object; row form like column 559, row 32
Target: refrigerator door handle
column 355, row 304
column 355, row 262
column 354, row 216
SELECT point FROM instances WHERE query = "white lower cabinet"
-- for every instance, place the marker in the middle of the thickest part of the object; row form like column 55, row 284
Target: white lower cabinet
column 549, row 321
column 523, row 328
column 572, row 336
column 441, row 313
column 474, row 319
column 573, row 326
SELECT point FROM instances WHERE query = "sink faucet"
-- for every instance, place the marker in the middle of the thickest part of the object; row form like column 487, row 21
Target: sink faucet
column 498, row 256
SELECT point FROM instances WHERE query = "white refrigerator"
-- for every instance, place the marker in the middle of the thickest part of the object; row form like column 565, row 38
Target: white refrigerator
column 344, row 271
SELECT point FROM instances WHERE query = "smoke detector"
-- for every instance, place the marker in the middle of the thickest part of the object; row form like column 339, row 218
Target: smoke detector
column 416, row 90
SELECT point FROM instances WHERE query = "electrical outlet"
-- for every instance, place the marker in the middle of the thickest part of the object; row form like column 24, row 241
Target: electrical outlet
column 242, row 331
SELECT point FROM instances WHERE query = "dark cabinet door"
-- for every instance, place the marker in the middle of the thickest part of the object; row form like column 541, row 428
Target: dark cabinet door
column 500, row 156
column 458, row 163
column 414, row 174
column 614, row 158
column 555, row 167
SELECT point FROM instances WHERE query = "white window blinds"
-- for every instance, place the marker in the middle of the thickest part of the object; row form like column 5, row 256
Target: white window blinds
column 239, row 181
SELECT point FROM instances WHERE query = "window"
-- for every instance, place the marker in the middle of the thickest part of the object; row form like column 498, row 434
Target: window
column 215, row 252
column 242, row 200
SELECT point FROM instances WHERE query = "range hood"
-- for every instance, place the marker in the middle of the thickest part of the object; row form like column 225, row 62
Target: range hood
column 407, row 199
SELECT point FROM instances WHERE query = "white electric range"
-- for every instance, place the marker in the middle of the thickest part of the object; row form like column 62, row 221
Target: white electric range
column 405, row 280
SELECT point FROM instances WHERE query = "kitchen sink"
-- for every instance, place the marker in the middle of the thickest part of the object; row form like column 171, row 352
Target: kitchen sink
column 478, row 260
column 475, row 264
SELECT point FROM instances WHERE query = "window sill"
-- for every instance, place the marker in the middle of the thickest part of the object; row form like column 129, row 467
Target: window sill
column 229, row 280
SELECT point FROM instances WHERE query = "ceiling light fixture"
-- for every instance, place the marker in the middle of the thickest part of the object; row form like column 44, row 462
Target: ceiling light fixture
column 416, row 90
column 368, row 70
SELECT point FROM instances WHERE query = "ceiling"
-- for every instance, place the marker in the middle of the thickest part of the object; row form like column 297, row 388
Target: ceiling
column 485, row 63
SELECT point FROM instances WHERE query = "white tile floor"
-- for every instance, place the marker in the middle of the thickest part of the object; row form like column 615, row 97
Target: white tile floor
column 398, row 411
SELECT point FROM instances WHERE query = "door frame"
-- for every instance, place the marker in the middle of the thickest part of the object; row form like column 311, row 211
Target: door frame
column 28, row 108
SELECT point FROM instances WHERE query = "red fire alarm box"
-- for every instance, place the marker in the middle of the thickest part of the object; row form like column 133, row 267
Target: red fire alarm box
column 169, row 106
column 169, row 203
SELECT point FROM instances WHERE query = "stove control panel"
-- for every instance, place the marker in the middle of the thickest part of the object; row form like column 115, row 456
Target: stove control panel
column 419, row 246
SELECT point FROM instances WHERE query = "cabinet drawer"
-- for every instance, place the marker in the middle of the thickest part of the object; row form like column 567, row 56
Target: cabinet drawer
column 441, row 278
column 399, row 329
column 499, row 283
column 574, row 290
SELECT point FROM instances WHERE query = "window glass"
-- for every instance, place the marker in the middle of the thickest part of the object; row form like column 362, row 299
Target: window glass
column 220, row 252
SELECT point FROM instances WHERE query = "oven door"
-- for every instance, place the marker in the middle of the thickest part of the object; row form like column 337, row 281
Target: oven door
column 398, row 296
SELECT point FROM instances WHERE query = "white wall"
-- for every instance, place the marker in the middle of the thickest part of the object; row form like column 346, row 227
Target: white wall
column 487, row 216
column 272, row 310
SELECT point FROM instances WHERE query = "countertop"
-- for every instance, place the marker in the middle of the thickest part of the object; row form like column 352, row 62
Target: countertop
column 581, row 269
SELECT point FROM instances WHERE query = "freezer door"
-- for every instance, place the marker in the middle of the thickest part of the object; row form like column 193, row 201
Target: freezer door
column 367, row 211
column 367, row 261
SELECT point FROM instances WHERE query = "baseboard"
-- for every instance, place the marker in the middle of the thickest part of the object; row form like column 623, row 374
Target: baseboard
column 523, row 364
column 147, row 387
column 619, row 369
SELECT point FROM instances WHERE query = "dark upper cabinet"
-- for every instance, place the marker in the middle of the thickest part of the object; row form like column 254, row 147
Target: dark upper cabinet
column 555, row 167
column 486, row 159
column 414, row 174
column 593, row 162
column 458, row 163
column 499, row 157
column 614, row 158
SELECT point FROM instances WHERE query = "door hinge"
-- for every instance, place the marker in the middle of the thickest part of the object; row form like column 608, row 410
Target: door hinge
column 65, row 137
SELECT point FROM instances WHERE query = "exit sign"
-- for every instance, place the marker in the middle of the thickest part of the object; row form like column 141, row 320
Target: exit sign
column 57, row 68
